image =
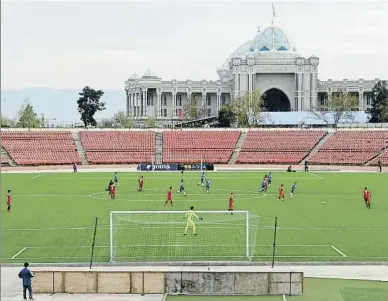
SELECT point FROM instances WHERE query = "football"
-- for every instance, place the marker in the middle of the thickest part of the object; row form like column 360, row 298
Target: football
column 323, row 202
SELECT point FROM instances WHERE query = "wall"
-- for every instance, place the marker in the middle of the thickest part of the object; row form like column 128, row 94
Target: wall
column 192, row 283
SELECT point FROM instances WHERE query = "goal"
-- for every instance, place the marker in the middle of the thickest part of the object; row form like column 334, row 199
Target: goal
column 159, row 236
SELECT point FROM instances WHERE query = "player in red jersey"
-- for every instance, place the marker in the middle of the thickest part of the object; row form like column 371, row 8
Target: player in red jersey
column 169, row 197
column 231, row 203
column 141, row 182
column 281, row 193
column 367, row 196
column 112, row 192
column 9, row 200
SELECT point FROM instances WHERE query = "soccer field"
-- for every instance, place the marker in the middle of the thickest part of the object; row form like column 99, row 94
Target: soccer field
column 53, row 215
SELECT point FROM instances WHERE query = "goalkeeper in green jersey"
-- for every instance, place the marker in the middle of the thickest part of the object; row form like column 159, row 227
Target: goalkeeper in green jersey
column 190, row 215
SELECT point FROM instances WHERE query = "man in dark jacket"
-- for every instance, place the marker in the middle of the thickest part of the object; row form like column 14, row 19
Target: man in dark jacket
column 26, row 275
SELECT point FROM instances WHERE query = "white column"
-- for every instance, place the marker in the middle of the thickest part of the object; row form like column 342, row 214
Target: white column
column 127, row 103
column 300, row 90
column 218, row 107
column 361, row 99
column 203, row 100
column 173, row 109
column 159, row 105
column 236, row 85
column 131, row 104
column 145, row 103
column 137, row 105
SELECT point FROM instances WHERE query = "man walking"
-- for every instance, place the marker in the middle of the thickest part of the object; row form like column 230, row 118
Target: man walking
column 26, row 275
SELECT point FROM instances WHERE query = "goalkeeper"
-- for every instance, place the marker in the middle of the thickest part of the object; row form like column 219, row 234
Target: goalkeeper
column 190, row 215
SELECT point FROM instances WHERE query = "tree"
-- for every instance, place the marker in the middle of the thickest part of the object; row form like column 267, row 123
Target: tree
column 226, row 117
column 88, row 104
column 150, row 122
column 7, row 122
column 248, row 108
column 121, row 119
column 27, row 118
column 337, row 109
column 191, row 111
column 379, row 110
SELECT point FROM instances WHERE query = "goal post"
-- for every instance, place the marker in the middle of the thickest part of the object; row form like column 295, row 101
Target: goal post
column 147, row 236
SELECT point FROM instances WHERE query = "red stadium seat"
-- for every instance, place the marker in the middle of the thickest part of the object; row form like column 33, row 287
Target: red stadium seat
column 351, row 147
column 40, row 148
column 278, row 147
column 189, row 146
column 118, row 147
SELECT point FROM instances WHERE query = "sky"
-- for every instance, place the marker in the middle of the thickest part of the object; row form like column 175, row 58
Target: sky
column 67, row 45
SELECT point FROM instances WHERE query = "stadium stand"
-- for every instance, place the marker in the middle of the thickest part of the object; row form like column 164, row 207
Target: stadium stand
column 4, row 160
column 118, row 147
column 275, row 147
column 383, row 158
column 186, row 146
column 40, row 147
column 351, row 147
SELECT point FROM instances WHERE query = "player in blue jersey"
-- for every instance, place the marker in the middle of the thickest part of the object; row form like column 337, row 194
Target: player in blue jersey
column 202, row 181
column 116, row 179
column 293, row 190
column 264, row 184
column 207, row 186
column 269, row 179
column 182, row 187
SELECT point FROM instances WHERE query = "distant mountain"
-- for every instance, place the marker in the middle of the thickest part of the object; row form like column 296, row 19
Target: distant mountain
column 60, row 104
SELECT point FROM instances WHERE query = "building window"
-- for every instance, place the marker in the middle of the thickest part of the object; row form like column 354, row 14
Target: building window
column 208, row 101
column 179, row 100
column 209, row 112
column 150, row 100
column 368, row 99
column 164, row 100
column 164, row 112
column 223, row 101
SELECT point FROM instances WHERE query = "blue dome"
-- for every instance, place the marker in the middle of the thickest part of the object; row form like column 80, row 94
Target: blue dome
column 272, row 38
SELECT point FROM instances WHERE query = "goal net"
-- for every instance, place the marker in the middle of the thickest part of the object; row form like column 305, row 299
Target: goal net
column 159, row 236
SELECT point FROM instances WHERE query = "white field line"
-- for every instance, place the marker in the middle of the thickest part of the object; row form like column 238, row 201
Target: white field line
column 37, row 176
column 209, row 257
column 176, row 245
column 338, row 251
column 284, row 297
column 171, row 227
column 258, row 177
column 18, row 253
column 317, row 176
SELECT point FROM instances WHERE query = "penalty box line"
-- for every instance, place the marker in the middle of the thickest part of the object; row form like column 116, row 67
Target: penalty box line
column 19, row 252
column 338, row 251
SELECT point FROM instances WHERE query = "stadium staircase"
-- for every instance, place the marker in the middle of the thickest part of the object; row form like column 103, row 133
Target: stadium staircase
column 80, row 148
column 375, row 158
column 5, row 154
column 238, row 147
column 159, row 148
column 317, row 146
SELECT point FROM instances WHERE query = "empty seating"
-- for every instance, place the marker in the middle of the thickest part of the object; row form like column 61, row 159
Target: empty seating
column 383, row 158
column 351, row 147
column 277, row 147
column 118, row 147
column 40, row 148
column 190, row 146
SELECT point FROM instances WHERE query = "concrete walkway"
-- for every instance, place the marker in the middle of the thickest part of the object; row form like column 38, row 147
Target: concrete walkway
column 11, row 285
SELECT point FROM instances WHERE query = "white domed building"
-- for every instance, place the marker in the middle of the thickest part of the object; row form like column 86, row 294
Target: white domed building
column 269, row 62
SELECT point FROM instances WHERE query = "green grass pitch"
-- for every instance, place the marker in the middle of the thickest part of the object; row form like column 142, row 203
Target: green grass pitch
column 53, row 216
column 315, row 289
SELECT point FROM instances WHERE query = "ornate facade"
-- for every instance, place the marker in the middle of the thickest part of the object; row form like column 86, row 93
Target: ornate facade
column 269, row 62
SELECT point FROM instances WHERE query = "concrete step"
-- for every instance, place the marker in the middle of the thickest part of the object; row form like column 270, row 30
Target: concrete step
column 318, row 146
column 237, row 148
column 80, row 148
